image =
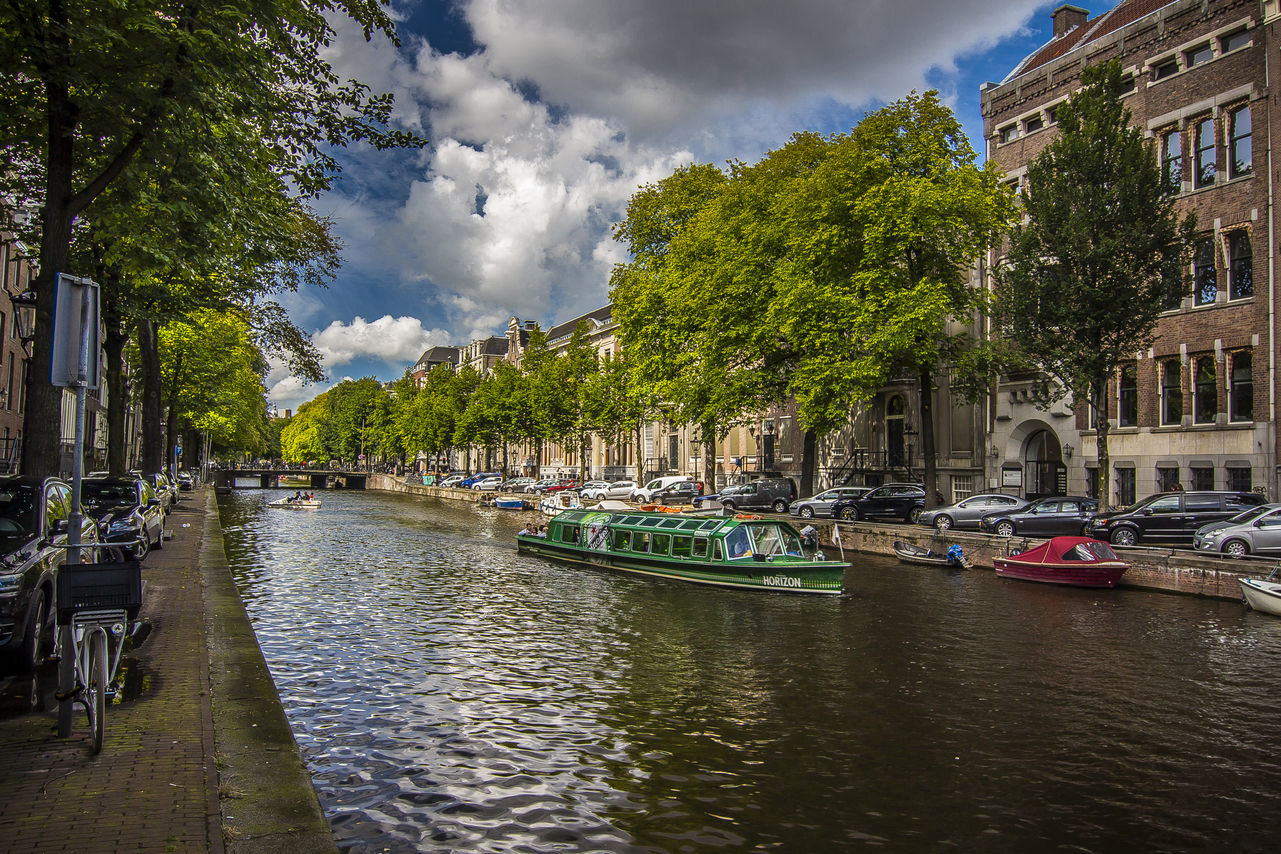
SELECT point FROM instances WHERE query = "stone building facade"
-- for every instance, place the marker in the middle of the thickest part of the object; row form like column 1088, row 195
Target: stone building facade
column 1197, row 408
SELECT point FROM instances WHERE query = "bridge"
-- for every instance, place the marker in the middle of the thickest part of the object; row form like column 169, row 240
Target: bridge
column 269, row 478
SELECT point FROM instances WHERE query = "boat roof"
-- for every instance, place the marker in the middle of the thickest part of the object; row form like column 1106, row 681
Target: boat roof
column 655, row 520
column 1055, row 550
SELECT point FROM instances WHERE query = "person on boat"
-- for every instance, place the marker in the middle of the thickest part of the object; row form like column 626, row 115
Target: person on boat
column 541, row 532
column 296, row 497
column 526, row 531
column 311, row 496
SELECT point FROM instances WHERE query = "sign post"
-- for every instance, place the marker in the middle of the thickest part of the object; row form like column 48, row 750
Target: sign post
column 73, row 363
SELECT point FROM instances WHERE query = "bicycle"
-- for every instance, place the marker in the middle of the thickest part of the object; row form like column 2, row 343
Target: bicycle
column 97, row 603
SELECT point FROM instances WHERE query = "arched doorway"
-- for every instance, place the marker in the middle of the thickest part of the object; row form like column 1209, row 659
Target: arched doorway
column 1043, row 462
column 895, row 423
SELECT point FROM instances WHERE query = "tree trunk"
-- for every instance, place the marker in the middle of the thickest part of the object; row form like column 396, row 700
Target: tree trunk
column 640, row 451
column 1099, row 402
column 153, row 444
column 171, row 421
column 927, row 438
column 708, row 429
column 113, row 346
column 809, row 449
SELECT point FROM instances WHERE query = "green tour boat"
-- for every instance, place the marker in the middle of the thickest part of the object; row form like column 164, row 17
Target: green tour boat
column 744, row 551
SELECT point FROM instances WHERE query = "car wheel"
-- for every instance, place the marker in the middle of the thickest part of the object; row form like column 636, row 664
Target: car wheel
column 33, row 641
column 780, row 506
column 849, row 514
column 807, row 512
column 143, row 548
column 1005, row 529
column 728, row 505
column 942, row 523
column 912, row 515
column 1236, row 548
column 1124, row 537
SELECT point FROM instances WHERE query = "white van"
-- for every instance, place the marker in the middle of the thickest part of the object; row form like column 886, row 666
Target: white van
column 646, row 492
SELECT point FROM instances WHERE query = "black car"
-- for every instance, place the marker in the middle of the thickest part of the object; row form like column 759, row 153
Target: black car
column 678, row 493
column 1045, row 517
column 128, row 513
column 892, row 501
column 34, row 514
column 767, row 493
column 1170, row 517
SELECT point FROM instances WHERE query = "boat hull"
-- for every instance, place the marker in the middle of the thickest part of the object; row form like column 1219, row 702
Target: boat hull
column 1103, row 574
column 1262, row 596
column 294, row 505
column 819, row 577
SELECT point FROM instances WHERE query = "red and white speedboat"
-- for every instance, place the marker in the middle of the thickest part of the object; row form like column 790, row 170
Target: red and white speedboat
column 1075, row 561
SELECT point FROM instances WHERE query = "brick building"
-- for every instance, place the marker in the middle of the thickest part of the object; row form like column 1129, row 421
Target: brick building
column 1198, row 407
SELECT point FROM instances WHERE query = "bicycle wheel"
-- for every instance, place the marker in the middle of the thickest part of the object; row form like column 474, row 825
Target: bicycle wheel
column 95, row 695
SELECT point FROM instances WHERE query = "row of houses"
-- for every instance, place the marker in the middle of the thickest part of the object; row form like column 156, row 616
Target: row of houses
column 1197, row 408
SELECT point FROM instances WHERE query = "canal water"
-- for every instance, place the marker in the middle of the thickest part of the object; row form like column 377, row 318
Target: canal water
column 451, row 695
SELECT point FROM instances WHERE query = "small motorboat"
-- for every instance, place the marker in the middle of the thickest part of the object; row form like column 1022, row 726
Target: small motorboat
column 295, row 504
column 909, row 553
column 559, row 502
column 1074, row 561
column 1262, row 594
column 508, row 503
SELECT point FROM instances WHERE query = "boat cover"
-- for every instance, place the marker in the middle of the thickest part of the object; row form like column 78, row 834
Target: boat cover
column 1067, row 550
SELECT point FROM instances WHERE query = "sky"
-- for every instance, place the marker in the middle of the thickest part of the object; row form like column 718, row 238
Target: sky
column 545, row 116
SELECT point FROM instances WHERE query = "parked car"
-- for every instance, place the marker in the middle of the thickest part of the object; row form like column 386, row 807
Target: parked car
column 892, row 501
column 162, row 487
column 645, row 493
column 469, row 482
column 1170, row 517
column 768, row 493
column 966, row 514
column 453, row 481
column 127, row 512
column 540, row 486
column 34, row 514
column 488, row 484
column 590, row 488
column 1045, row 517
column 681, row 492
column 821, row 504
column 620, row 489
column 1253, row 531
column 563, row 485
column 515, row 484
column 186, row 481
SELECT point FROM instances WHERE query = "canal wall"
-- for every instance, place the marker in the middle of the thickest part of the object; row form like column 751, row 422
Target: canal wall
column 1151, row 568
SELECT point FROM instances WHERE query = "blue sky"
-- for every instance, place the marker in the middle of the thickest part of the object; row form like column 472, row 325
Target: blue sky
column 544, row 116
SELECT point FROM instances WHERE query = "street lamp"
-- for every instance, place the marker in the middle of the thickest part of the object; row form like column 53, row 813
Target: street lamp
column 24, row 316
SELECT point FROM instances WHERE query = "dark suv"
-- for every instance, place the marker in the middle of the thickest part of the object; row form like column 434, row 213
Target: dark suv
column 892, row 501
column 34, row 513
column 1170, row 517
column 767, row 493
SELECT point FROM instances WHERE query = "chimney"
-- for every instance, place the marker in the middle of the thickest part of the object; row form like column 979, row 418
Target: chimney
column 1067, row 18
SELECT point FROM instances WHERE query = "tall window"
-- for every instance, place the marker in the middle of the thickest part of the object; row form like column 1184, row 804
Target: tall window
column 1240, row 265
column 1205, row 401
column 1205, row 160
column 1171, row 393
column 1241, row 392
column 1172, row 159
column 1127, row 397
column 1239, row 479
column 1126, row 494
column 1240, row 148
column 1202, row 477
column 1205, row 274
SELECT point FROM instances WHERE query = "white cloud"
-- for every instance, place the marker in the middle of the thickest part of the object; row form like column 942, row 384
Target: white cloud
column 394, row 340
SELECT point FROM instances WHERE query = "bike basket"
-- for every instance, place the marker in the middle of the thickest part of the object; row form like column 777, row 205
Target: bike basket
column 94, row 586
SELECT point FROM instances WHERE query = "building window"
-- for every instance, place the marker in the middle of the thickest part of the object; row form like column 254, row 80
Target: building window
column 1125, row 487
column 1166, row 68
column 1127, row 397
column 1171, row 393
column 1202, row 477
column 1199, row 54
column 1241, row 391
column 1033, row 124
column 1240, row 265
column 1167, row 479
column 962, row 486
column 1172, row 160
column 1232, row 41
column 1205, row 401
column 1052, row 115
column 1009, row 133
column 1239, row 480
column 1240, row 142
column 1206, row 162
column 1092, row 481
column 1127, row 84
column 1205, row 275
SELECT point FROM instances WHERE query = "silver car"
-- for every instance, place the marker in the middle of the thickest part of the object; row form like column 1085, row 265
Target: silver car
column 966, row 513
column 821, row 504
column 1253, row 531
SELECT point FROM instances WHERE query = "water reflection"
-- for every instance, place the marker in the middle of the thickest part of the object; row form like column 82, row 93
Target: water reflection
column 451, row 695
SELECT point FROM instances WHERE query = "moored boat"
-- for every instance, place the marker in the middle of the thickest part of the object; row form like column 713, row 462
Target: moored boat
column 740, row 551
column 295, row 504
column 909, row 553
column 1074, row 561
column 1262, row 594
column 559, row 502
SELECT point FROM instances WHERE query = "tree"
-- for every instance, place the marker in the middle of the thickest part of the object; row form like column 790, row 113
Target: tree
column 1100, row 255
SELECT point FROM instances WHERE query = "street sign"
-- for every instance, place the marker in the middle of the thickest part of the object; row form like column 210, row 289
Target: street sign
column 73, row 357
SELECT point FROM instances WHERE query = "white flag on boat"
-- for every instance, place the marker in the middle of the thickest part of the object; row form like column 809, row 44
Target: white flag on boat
column 836, row 533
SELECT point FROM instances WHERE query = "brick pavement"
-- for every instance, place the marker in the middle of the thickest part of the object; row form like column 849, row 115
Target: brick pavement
column 155, row 785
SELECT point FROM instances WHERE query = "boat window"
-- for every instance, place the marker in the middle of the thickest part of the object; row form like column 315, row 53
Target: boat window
column 660, row 544
column 700, row 547
column 681, row 546
column 1102, row 551
column 738, row 544
column 569, row 533
column 651, row 523
column 621, row 539
column 670, row 523
column 640, row 541
column 717, row 553
column 1079, row 552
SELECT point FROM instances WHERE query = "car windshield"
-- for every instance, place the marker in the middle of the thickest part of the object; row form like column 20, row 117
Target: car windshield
column 108, row 494
column 1251, row 514
column 17, row 511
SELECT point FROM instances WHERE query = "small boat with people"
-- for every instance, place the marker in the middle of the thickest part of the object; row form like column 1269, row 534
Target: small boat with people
column 1262, row 594
column 1074, row 561
column 297, row 501
column 741, row 551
